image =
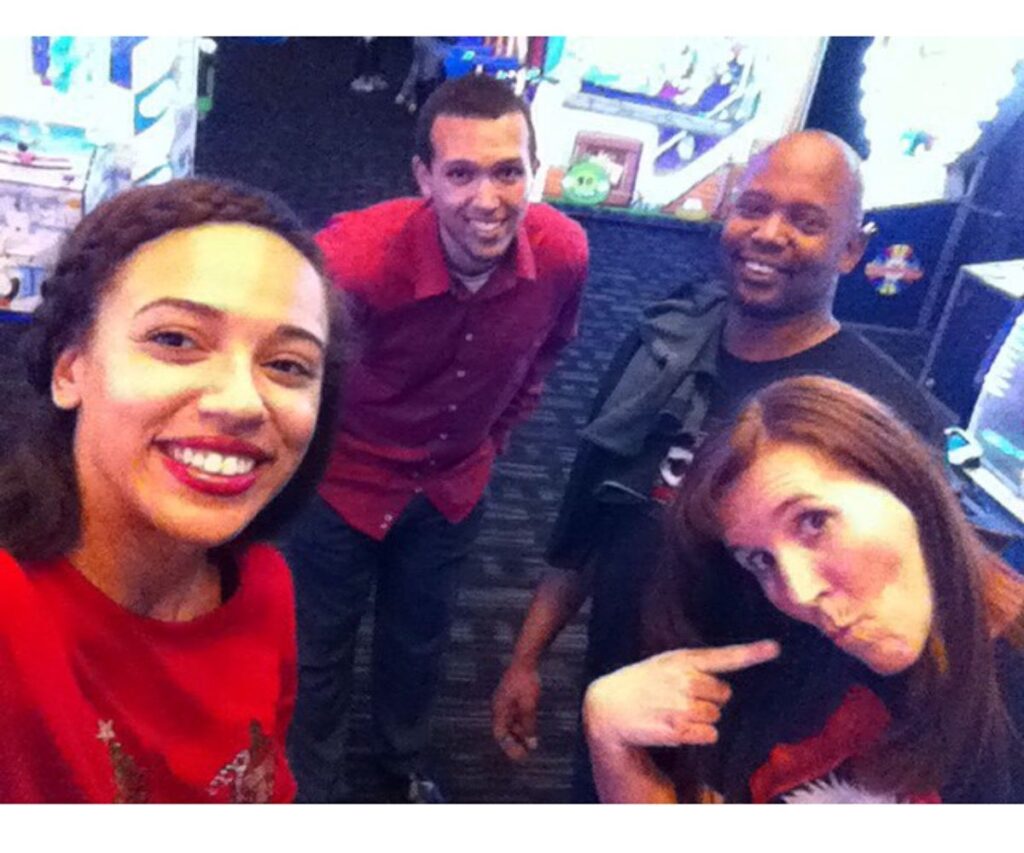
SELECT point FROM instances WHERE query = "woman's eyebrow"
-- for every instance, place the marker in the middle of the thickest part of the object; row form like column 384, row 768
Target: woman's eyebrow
column 185, row 304
column 284, row 330
column 287, row 331
column 790, row 502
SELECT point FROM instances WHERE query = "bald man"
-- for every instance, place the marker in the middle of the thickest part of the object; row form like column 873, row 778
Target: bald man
column 795, row 227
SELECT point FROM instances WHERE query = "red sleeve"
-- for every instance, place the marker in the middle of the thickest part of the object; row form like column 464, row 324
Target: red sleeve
column 359, row 245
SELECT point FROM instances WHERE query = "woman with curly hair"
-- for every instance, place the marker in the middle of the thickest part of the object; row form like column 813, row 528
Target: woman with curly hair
column 181, row 375
column 836, row 631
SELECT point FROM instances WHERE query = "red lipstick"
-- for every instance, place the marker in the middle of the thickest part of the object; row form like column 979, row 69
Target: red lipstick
column 220, row 444
column 221, row 486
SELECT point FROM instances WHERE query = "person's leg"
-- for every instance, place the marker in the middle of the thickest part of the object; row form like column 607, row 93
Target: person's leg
column 425, row 88
column 407, row 93
column 375, row 71
column 363, row 66
column 333, row 567
column 415, row 598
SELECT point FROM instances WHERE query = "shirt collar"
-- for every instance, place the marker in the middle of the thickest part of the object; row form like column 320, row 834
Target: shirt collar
column 432, row 276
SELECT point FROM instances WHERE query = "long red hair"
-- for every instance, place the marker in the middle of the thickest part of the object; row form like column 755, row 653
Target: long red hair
column 950, row 725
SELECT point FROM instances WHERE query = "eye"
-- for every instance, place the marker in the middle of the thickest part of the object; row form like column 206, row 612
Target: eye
column 812, row 523
column 757, row 561
column 510, row 174
column 459, row 175
column 172, row 339
column 752, row 207
column 292, row 368
column 810, row 224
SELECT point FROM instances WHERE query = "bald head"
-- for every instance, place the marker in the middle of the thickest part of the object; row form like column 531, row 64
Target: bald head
column 794, row 227
column 818, row 151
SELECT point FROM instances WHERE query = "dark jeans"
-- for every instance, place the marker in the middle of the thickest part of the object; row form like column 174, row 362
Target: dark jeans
column 368, row 57
column 334, row 566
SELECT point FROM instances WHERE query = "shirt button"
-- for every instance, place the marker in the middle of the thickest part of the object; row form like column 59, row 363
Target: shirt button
column 461, row 374
column 388, row 517
column 432, row 463
column 443, row 436
column 469, row 336
column 418, row 490
column 452, row 407
column 384, row 526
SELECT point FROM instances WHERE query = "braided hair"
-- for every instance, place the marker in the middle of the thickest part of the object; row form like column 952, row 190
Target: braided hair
column 39, row 508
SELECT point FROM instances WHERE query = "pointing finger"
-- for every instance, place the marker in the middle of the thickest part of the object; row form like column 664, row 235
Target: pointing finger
column 734, row 658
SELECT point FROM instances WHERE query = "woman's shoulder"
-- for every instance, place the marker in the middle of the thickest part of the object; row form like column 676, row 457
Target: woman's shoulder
column 264, row 564
column 17, row 577
column 28, row 619
column 264, row 577
column 13, row 580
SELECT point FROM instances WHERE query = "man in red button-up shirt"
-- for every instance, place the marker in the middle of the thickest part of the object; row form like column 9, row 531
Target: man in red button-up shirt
column 462, row 301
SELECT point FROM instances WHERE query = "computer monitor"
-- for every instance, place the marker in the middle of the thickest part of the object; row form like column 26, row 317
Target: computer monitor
column 997, row 421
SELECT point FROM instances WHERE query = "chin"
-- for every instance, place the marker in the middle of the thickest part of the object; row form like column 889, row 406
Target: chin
column 890, row 664
column 759, row 309
column 206, row 528
column 489, row 254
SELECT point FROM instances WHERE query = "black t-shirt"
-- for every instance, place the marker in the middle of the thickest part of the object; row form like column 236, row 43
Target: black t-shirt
column 627, row 537
column 845, row 356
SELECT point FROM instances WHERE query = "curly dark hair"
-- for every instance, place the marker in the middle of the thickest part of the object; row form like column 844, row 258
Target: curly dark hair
column 39, row 508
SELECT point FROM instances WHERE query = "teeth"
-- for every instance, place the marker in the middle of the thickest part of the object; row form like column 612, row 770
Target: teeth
column 213, row 463
column 761, row 268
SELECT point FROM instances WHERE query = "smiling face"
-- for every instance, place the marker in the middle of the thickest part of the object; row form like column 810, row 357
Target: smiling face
column 198, row 388
column 793, row 229
column 835, row 551
column 478, row 181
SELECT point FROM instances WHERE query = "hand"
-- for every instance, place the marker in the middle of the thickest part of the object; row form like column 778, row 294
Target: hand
column 514, row 711
column 667, row 700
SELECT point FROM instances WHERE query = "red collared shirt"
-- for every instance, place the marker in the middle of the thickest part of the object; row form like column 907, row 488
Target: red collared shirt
column 442, row 374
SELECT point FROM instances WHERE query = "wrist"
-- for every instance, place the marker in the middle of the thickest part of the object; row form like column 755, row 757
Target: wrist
column 598, row 721
column 525, row 662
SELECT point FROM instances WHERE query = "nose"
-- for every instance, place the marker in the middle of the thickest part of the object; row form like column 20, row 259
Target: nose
column 771, row 230
column 232, row 398
column 487, row 196
column 804, row 581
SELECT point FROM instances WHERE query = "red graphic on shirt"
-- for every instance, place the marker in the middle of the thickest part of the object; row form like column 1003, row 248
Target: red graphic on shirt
column 250, row 774
column 247, row 778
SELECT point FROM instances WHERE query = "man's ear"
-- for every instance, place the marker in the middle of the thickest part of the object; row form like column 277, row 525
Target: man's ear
column 854, row 250
column 66, row 382
column 424, row 180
